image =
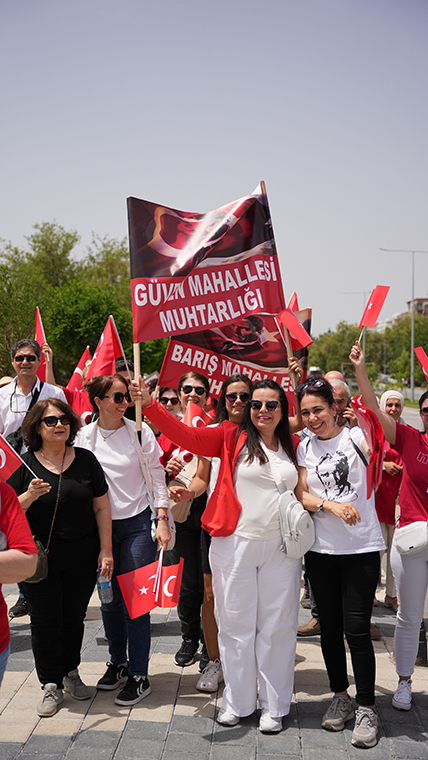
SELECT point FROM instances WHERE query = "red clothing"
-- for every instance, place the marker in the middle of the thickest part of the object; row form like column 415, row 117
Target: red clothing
column 14, row 525
column 413, row 500
column 223, row 509
column 167, row 447
column 388, row 490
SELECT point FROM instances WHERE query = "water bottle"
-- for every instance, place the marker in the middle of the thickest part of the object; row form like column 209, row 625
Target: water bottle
column 105, row 591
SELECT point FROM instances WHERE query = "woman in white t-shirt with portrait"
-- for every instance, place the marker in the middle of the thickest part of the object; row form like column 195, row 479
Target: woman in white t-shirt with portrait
column 343, row 563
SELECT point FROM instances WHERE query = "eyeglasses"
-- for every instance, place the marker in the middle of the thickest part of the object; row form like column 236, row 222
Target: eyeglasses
column 28, row 357
column 199, row 389
column 165, row 400
column 118, row 397
column 424, row 411
column 232, row 397
column 52, row 421
column 271, row 405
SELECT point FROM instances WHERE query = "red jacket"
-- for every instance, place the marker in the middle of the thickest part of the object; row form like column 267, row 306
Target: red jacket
column 223, row 509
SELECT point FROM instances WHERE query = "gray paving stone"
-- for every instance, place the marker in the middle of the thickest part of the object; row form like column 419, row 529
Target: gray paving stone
column 10, row 750
column 97, row 740
column 46, row 745
column 287, row 742
column 81, row 753
column 314, row 754
column 144, row 749
column 244, row 733
column 233, row 753
column 187, row 743
column 323, row 741
column 139, row 731
column 191, row 724
column 173, row 755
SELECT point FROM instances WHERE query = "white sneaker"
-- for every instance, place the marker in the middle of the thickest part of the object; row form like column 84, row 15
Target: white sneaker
column 268, row 724
column 211, row 676
column 227, row 718
column 402, row 698
column 74, row 685
column 52, row 697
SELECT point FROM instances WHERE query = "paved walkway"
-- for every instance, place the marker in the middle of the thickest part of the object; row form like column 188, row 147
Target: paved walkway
column 176, row 722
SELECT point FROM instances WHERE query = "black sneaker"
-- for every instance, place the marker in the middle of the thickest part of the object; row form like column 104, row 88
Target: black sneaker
column 113, row 677
column 186, row 653
column 204, row 659
column 19, row 609
column 136, row 688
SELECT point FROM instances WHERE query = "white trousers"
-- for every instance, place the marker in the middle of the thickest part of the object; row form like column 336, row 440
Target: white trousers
column 388, row 534
column 256, row 603
column 411, row 579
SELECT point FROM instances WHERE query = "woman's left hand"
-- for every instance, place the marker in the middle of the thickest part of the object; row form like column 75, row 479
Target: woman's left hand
column 294, row 366
column 162, row 534
column 106, row 563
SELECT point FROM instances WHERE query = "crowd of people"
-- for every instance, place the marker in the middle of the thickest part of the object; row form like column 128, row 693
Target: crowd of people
column 107, row 494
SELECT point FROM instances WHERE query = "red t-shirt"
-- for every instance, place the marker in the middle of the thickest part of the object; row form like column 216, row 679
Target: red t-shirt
column 413, row 449
column 388, row 490
column 14, row 525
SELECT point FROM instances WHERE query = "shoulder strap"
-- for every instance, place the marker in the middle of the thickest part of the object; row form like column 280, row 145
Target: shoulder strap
column 359, row 452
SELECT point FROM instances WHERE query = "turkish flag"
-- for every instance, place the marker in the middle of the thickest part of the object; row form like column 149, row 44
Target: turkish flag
column 9, row 459
column 151, row 586
column 108, row 350
column 423, row 360
column 294, row 327
column 374, row 435
column 76, row 383
column 293, row 304
column 169, row 588
column 40, row 338
column 374, row 305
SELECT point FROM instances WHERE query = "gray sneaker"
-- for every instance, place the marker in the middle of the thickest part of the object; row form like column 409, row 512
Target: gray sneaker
column 74, row 685
column 52, row 697
column 365, row 729
column 338, row 713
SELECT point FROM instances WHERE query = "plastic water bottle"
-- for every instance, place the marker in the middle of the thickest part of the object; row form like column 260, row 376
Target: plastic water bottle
column 105, row 591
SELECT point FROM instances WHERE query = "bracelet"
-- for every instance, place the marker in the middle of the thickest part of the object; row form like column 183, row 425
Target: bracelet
column 161, row 517
column 320, row 506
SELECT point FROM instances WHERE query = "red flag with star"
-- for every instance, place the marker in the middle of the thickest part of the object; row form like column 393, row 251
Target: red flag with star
column 108, row 350
column 151, row 586
column 9, row 460
column 39, row 334
column 422, row 359
column 374, row 306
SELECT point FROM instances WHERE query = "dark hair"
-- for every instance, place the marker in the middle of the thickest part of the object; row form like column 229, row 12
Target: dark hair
column 316, row 385
column 32, row 419
column 98, row 387
column 256, row 322
column 152, row 385
column 163, row 388
column 25, row 342
column 422, row 399
column 197, row 376
column 221, row 412
column 282, row 429
column 120, row 365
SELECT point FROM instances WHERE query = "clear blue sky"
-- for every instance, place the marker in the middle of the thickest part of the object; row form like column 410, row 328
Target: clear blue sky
column 192, row 103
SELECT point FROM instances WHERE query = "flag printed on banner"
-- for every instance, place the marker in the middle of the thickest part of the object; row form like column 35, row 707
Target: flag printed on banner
column 76, row 381
column 423, row 360
column 9, row 460
column 374, row 306
column 151, row 586
column 193, row 271
column 108, row 350
column 375, row 439
column 39, row 334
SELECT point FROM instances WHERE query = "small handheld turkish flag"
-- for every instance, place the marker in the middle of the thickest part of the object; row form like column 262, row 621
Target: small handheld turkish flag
column 40, row 338
column 423, row 360
column 374, row 306
column 9, row 460
column 151, row 586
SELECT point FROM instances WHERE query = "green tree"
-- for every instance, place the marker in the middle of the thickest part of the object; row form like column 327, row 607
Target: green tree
column 107, row 264
column 17, row 314
column 398, row 342
column 331, row 350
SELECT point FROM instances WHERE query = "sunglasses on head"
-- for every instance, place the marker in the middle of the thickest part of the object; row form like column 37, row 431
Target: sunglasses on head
column 271, row 405
column 232, row 397
column 165, row 400
column 28, row 357
column 199, row 389
column 52, row 421
column 118, row 397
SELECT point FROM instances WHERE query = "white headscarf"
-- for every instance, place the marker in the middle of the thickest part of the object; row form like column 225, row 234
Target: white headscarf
column 392, row 394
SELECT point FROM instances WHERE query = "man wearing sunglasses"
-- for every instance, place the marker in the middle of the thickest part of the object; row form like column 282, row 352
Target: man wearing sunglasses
column 15, row 401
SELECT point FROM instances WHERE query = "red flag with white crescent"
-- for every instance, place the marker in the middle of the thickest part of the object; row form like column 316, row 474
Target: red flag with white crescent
column 40, row 338
column 139, row 587
column 374, row 306
column 108, row 350
column 9, row 459
column 76, row 383
column 422, row 359
column 169, row 589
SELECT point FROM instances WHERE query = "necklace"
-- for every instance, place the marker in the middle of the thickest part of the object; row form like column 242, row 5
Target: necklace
column 53, row 463
column 104, row 437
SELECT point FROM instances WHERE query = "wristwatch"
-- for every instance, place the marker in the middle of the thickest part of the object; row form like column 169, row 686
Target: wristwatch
column 320, row 506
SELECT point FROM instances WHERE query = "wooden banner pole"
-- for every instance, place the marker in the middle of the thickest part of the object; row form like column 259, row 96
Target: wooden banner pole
column 137, row 373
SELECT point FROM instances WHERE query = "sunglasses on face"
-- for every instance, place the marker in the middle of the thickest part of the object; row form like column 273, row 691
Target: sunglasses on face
column 424, row 411
column 232, row 397
column 164, row 401
column 197, row 388
column 52, row 421
column 28, row 357
column 118, row 397
column 271, row 405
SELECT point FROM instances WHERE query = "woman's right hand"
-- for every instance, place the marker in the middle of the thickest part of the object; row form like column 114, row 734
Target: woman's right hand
column 37, row 488
column 178, row 494
column 391, row 468
column 346, row 512
column 174, row 466
column 138, row 391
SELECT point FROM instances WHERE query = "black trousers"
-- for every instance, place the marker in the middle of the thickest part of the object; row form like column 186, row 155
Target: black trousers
column 188, row 546
column 57, row 607
column 344, row 586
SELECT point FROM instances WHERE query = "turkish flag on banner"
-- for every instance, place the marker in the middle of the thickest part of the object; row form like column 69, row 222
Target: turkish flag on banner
column 76, row 383
column 151, row 586
column 108, row 350
column 374, row 305
column 9, row 459
column 374, row 435
column 40, row 338
column 423, row 360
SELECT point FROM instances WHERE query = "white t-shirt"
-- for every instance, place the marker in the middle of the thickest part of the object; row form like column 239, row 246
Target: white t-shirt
column 257, row 491
column 14, row 404
column 335, row 472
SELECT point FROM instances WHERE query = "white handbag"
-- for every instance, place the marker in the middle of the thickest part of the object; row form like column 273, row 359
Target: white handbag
column 411, row 538
column 296, row 523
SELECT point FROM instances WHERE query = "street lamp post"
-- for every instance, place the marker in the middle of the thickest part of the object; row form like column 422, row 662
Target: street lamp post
column 364, row 293
column 412, row 332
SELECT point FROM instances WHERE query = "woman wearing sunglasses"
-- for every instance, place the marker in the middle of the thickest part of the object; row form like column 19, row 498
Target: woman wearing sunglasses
column 67, row 500
column 410, row 570
column 139, row 501
column 343, row 563
column 256, row 586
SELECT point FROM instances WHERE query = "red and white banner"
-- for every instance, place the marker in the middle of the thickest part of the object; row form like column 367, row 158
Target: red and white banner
column 39, row 334
column 76, row 382
column 423, row 360
column 9, row 460
column 193, row 271
column 151, row 586
column 374, row 306
column 108, row 350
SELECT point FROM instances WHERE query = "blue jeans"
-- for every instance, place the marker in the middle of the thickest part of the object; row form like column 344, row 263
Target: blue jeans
column 3, row 661
column 133, row 547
